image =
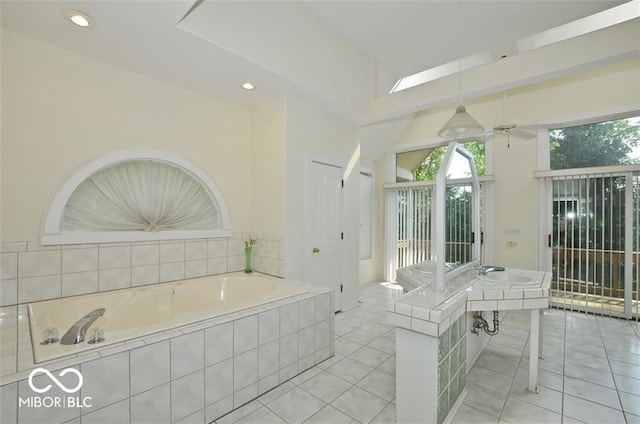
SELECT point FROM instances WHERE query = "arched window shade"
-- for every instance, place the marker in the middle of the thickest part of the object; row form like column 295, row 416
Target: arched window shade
column 136, row 195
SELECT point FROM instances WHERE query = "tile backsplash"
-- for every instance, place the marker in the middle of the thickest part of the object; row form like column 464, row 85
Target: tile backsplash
column 30, row 272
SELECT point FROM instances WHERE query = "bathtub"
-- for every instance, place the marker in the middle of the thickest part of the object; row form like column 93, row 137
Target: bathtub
column 137, row 312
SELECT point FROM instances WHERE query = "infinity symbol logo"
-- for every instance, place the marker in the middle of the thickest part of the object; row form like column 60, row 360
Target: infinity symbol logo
column 55, row 380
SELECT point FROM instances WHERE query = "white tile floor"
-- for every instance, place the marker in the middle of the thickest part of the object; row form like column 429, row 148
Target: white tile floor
column 590, row 374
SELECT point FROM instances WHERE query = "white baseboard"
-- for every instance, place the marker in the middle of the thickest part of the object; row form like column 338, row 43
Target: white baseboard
column 372, row 279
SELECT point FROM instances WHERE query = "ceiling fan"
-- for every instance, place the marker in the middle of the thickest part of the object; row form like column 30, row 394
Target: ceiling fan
column 508, row 126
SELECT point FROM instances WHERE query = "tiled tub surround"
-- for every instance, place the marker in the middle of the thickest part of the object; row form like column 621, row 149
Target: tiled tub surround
column 426, row 318
column 130, row 313
column 30, row 272
column 196, row 373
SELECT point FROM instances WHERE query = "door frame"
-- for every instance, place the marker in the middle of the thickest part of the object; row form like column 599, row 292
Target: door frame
column 310, row 159
column 545, row 192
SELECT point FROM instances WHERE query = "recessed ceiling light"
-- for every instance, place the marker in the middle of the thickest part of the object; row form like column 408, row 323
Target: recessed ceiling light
column 248, row 86
column 80, row 19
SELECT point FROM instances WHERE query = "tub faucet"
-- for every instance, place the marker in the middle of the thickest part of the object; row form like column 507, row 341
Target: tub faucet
column 75, row 334
column 486, row 269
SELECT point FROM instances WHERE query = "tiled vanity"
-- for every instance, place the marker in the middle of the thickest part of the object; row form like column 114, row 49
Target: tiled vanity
column 433, row 328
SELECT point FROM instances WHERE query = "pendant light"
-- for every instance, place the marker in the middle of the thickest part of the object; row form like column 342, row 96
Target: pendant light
column 461, row 124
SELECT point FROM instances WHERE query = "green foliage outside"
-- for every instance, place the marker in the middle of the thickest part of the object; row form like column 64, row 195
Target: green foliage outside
column 428, row 170
column 600, row 144
column 597, row 221
column 458, row 219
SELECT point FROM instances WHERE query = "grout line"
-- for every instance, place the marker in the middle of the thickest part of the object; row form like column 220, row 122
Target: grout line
column 615, row 384
column 513, row 379
column 347, row 315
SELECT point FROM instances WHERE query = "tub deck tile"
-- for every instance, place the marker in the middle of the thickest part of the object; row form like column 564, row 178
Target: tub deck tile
column 303, row 349
column 156, row 337
column 114, row 348
column 202, row 325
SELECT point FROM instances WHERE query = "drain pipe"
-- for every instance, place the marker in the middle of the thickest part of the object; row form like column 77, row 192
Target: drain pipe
column 480, row 322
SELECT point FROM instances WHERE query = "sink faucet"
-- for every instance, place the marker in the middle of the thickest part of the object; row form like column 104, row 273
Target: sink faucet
column 486, row 269
column 75, row 334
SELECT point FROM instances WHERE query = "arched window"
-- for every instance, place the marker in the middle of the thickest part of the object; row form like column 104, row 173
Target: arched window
column 136, row 195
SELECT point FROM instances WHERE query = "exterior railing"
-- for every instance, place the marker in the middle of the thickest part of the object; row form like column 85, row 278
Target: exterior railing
column 593, row 277
column 596, row 269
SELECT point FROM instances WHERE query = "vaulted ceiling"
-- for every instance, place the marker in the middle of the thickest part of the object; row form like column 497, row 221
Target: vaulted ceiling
column 342, row 55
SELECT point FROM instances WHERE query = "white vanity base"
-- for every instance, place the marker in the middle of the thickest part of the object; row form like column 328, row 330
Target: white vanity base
column 434, row 346
column 416, row 377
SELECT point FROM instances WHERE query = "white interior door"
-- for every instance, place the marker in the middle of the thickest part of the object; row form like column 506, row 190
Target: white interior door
column 325, row 228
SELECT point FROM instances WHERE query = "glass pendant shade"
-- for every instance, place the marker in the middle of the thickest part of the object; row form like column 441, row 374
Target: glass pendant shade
column 461, row 125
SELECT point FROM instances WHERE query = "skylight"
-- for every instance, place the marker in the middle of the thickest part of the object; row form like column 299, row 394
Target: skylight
column 607, row 18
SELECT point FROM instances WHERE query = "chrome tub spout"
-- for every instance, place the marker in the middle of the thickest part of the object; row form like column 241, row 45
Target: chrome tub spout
column 76, row 333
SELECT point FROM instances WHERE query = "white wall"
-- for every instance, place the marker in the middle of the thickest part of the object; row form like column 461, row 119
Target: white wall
column 313, row 131
column 268, row 167
column 61, row 110
column 516, row 195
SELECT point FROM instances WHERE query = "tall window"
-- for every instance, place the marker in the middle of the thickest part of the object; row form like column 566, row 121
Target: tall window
column 417, row 171
column 599, row 144
column 423, row 164
column 594, row 234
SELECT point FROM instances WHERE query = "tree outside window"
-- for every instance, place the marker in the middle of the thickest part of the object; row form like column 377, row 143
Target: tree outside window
column 589, row 210
column 428, row 170
column 600, row 144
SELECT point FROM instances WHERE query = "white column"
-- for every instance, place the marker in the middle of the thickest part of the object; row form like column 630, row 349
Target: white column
column 541, row 334
column 534, row 343
column 416, row 377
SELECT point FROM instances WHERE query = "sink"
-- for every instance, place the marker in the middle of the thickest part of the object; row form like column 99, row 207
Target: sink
column 507, row 278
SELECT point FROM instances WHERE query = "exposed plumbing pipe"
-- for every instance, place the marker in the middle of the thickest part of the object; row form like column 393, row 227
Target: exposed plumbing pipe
column 480, row 322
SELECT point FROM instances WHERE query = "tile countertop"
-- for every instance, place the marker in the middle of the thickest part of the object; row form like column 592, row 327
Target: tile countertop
column 414, row 276
column 429, row 311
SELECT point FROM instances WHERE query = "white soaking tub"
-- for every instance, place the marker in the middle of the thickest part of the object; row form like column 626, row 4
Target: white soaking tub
column 137, row 312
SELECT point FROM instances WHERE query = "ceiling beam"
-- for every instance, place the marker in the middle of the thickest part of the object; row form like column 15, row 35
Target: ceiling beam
column 603, row 47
